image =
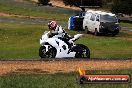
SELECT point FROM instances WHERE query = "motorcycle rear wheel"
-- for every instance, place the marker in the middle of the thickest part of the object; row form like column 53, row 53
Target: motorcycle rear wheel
column 51, row 53
column 86, row 52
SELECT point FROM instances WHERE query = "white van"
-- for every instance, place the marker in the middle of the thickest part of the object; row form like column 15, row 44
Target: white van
column 100, row 22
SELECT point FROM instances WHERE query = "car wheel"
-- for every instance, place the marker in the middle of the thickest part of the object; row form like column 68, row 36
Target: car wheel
column 86, row 30
column 96, row 32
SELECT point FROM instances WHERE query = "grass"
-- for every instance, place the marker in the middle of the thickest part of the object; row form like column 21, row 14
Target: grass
column 30, row 9
column 108, row 47
column 129, row 25
column 21, row 41
column 59, row 80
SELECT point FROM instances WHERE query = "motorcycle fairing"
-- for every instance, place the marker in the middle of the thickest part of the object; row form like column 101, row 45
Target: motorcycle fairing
column 61, row 47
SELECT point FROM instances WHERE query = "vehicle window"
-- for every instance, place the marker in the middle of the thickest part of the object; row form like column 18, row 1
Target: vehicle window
column 92, row 17
column 88, row 15
column 97, row 18
column 108, row 18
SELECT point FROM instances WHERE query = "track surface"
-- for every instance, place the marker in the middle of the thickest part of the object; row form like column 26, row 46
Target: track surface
column 55, row 66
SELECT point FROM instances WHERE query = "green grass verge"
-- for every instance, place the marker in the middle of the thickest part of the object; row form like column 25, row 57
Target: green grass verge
column 30, row 9
column 21, row 41
column 129, row 25
column 108, row 47
column 59, row 80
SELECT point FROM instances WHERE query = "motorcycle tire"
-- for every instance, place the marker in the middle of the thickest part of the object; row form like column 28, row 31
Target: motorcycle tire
column 50, row 54
column 42, row 51
column 86, row 49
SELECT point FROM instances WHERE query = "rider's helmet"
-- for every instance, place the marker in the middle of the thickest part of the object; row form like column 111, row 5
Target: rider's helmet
column 52, row 25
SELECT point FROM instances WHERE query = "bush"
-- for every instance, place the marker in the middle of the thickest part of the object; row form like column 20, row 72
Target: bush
column 43, row 2
column 72, row 2
column 83, row 2
column 122, row 6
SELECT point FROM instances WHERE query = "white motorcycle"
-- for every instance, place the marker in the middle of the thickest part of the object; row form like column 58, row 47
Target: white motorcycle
column 55, row 47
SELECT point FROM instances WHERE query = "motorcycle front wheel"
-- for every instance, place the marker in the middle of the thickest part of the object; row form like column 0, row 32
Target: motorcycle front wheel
column 42, row 52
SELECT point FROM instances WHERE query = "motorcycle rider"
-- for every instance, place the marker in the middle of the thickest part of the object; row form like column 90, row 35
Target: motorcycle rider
column 55, row 29
column 58, row 30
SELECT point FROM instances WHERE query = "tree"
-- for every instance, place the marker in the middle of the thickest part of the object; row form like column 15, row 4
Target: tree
column 122, row 6
column 43, row 2
column 72, row 2
column 83, row 2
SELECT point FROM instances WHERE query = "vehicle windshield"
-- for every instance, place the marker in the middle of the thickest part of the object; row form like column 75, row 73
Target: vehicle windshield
column 108, row 18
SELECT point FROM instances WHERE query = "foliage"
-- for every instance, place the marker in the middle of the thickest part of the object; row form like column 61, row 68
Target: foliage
column 122, row 6
column 43, row 2
column 72, row 3
column 83, row 2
